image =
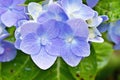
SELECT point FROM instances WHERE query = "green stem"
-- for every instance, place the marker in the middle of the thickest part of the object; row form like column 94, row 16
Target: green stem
column 0, row 71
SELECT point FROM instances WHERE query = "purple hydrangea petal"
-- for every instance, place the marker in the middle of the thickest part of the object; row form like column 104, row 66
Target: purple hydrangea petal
column 95, row 21
column 65, row 31
column 81, row 47
column 67, row 3
column 75, row 9
column 105, row 18
column 54, row 12
column 9, row 18
column 45, row 17
column 30, row 44
column 1, row 50
column 79, row 27
column 84, row 12
column 69, row 57
column 17, row 43
column 3, row 32
column 9, row 52
column 28, row 27
column 17, row 4
column 58, row 12
column 92, row 3
column 54, row 47
column 6, row 3
column 51, row 31
column 43, row 60
column 2, row 10
column 34, row 10
column 103, row 27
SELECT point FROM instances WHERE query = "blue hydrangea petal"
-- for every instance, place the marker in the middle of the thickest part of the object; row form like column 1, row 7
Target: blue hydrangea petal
column 1, row 50
column 30, row 44
column 97, row 39
column 79, row 27
column 54, row 47
column 58, row 12
column 43, row 60
column 2, row 10
column 103, row 27
column 81, row 47
column 3, row 32
column 17, row 43
column 45, row 17
column 92, row 3
column 9, row 52
column 95, row 21
column 54, row 12
column 84, row 12
column 65, row 30
column 28, row 27
column 6, row 3
column 67, row 3
column 51, row 31
column 34, row 10
column 105, row 18
column 17, row 4
column 69, row 57
column 9, row 18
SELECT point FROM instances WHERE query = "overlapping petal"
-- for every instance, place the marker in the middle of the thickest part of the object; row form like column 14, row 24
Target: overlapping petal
column 69, row 57
column 9, row 18
column 43, row 60
column 81, row 47
column 30, row 44
column 54, row 12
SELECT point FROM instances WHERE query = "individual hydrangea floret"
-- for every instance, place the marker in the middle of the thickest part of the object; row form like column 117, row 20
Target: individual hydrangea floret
column 93, row 23
column 11, row 11
column 60, row 28
column 76, row 9
column 3, row 32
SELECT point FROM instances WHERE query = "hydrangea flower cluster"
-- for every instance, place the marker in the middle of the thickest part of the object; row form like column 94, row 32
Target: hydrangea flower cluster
column 61, row 28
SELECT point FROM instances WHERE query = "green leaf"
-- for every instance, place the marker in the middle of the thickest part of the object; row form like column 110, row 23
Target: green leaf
column 28, row 1
column 87, row 68
column 11, row 31
column 103, row 53
column 23, row 68
column 110, row 8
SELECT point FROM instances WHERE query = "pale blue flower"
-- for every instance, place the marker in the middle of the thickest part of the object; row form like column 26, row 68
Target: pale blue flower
column 76, row 9
column 11, row 11
column 93, row 23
